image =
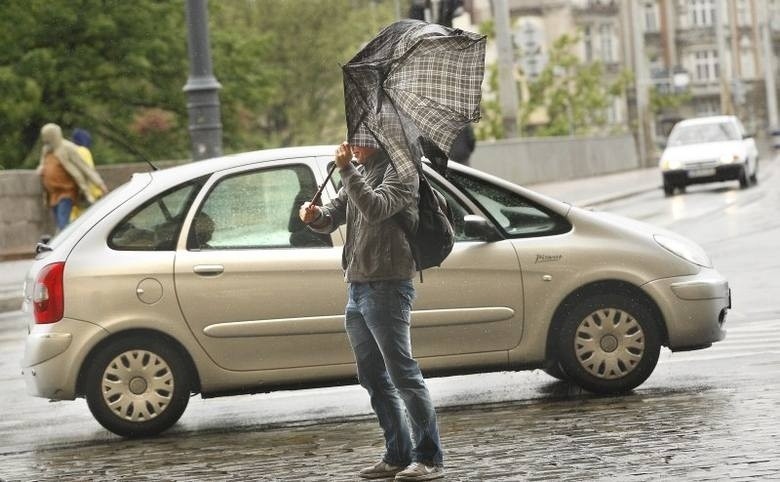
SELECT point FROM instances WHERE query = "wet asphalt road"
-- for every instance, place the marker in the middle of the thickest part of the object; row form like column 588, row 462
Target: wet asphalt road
column 707, row 415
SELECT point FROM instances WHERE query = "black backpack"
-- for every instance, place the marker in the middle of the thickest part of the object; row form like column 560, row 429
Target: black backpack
column 433, row 241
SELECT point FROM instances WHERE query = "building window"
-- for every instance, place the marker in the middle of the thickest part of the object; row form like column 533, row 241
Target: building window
column 651, row 17
column 707, row 107
column 706, row 65
column 701, row 13
column 529, row 38
column 587, row 43
column 774, row 14
column 743, row 13
column 605, row 36
column 748, row 65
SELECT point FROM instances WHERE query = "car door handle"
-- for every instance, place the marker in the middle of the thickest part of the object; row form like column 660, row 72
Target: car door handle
column 208, row 269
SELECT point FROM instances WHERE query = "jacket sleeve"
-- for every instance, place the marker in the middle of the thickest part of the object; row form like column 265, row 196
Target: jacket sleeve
column 380, row 203
column 334, row 214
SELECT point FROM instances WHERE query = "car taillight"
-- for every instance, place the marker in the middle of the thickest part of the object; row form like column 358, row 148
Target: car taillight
column 48, row 296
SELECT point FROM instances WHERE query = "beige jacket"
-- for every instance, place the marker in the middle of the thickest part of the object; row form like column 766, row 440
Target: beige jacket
column 68, row 155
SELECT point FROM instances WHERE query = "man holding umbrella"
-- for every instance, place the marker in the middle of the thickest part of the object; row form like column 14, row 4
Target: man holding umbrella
column 409, row 91
column 379, row 268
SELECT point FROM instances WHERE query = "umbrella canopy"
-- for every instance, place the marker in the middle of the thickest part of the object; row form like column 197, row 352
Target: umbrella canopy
column 412, row 89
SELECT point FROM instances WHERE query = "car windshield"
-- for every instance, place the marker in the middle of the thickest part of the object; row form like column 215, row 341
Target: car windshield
column 702, row 133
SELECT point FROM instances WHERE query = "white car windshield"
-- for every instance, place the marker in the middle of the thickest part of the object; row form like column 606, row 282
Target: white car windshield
column 702, row 133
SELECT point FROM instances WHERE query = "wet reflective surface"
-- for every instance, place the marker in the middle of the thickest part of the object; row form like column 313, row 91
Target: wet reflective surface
column 705, row 415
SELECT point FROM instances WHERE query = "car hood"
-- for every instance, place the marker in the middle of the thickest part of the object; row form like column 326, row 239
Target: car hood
column 704, row 151
column 618, row 233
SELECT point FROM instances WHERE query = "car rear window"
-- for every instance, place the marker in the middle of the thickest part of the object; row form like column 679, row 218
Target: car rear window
column 156, row 224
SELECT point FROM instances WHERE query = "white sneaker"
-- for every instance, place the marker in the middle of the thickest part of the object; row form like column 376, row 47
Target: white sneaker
column 380, row 470
column 420, row 471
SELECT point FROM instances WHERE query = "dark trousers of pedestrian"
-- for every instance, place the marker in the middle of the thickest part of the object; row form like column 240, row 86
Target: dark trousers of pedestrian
column 378, row 324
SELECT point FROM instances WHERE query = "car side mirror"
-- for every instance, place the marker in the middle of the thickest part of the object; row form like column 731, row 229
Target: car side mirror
column 478, row 227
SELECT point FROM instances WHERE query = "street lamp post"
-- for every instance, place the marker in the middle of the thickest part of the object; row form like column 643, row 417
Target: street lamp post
column 202, row 87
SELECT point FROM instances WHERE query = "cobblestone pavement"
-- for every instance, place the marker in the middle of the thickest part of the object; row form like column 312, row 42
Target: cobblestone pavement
column 710, row 415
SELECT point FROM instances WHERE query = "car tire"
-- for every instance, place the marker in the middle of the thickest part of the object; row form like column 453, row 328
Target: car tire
column 754, row 176
column 555, row 371
column 609, row 344
column 668, row 189
column 137, row 386
column 744, row 180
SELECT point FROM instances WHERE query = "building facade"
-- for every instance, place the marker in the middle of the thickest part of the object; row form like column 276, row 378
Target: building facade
column 691, row 64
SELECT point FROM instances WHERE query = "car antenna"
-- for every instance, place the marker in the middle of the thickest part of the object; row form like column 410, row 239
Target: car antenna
column 154, row 168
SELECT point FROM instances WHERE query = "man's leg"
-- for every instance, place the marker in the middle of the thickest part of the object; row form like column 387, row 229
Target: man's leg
column 62, row 212
column 388, row 315
column 373, row 377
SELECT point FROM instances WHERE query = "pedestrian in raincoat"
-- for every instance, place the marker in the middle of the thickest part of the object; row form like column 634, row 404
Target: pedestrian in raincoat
column 65, row 175
column 83, row 141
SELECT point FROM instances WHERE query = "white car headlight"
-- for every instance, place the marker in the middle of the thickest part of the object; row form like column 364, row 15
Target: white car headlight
column 729, row 158
column 673, row 164
column 687, row 250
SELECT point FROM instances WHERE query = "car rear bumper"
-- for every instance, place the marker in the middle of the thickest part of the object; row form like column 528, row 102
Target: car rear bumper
column 726, row 172
column 694, row 308
column 53, row 355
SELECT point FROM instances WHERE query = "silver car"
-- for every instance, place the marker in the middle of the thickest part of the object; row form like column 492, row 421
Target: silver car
column 188, row 280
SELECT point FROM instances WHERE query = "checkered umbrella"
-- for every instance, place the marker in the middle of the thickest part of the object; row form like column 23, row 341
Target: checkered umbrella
column 412, row 89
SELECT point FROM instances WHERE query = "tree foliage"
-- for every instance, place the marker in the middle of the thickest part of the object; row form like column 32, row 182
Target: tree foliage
column 572, row 96
column 117, row 68
column 575, row 95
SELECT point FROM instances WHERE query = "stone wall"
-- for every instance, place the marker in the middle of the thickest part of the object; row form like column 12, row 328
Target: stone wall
column 535, row 160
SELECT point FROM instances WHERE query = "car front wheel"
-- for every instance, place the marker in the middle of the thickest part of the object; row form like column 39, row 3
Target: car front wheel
column 609, row 344
column 137, row 386
column 744, row 179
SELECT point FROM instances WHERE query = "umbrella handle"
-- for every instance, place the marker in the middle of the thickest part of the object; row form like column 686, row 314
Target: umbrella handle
column 316, row 199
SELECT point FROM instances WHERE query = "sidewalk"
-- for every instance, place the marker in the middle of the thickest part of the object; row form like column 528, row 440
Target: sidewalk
column 585, row 192
column 596, row 190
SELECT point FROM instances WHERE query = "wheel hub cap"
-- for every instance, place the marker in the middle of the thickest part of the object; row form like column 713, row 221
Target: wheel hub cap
column 609, row 343
column 137, row 385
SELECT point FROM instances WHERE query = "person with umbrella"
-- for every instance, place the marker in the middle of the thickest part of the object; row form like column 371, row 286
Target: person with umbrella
column 391, row 118
column 379, row 268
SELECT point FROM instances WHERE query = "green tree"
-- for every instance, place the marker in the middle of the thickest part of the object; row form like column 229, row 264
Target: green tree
column 95, row 64
column 117, row 68
column 290, row 91
column 574, row 95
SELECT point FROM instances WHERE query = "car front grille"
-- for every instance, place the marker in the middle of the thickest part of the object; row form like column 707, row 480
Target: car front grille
column 703, row 164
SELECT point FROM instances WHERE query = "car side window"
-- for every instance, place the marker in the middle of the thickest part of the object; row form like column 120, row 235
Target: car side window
column 155, row 226
column 257, row 209
column 515, row 215
column 459, row 211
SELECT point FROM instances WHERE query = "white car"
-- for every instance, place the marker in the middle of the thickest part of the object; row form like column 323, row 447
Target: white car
column 709, row 149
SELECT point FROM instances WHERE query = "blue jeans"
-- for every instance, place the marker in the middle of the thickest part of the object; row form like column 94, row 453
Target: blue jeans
column 377, row 322
column 61, row 212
